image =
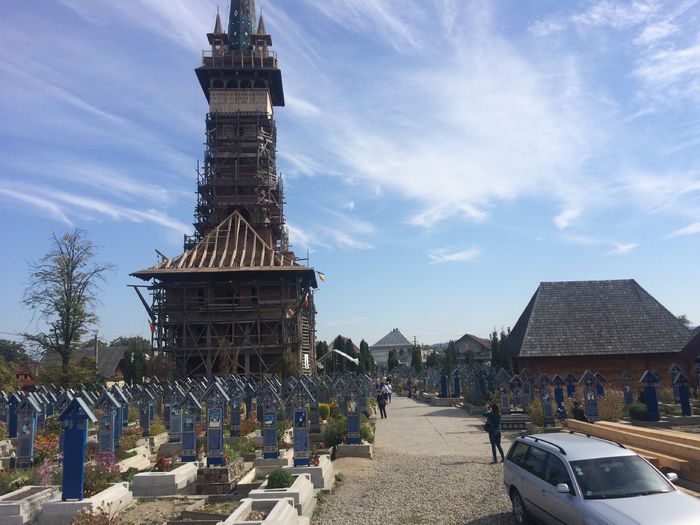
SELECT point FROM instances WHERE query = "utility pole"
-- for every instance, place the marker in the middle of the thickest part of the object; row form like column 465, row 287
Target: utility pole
column 96, row 351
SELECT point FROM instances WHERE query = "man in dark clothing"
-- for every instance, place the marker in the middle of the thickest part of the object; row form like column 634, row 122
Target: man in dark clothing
column 578, row 412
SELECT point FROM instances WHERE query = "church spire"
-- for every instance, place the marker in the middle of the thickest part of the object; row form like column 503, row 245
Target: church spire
column 261, row 26
column 240, row 25
column 217, row 25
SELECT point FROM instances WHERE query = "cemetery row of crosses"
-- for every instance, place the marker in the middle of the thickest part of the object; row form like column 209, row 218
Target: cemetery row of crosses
column 246, row 408
column 106, row 446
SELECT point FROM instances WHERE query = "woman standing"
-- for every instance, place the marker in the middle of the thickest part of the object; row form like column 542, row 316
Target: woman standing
column 493, row 427
column 381, row 402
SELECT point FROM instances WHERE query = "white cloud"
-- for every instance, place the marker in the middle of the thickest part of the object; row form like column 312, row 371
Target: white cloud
column 443, row 255
column 691, row 229
column 621, row 249
column 51, row 208
column 547, row 27
column 652, row 33
column 564, row 219
column 616, row 15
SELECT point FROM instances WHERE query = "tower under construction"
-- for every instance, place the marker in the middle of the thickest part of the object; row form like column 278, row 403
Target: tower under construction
column 236, row 300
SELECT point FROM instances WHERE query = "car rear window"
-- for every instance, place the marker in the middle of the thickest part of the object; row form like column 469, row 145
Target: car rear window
column 534, row 462
column 517, row 453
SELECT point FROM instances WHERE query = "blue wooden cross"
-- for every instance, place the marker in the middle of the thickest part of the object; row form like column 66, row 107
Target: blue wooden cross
column 625, row 377
column 651, row 381
column 298, row 398
column 682, row 383
column 558, row 383
column 216, row 399
column 570, row 385
column 74, row 422
column 456, row 390
column 27, row 420
column 12, row 422
column 107, row 408
column 352, row 394
column 589, row 382
column 189, row 407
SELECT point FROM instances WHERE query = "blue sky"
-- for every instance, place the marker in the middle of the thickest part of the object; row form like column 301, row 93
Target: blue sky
column 440, row 157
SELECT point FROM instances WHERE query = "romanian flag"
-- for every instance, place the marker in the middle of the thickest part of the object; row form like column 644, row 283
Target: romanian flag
column 153, row 327
column 321, row 276
column 306, row 301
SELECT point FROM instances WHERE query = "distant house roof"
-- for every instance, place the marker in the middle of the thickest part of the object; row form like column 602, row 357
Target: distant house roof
column 393, row 339
column 592, row 318
column 107, row 359
column 484, row 343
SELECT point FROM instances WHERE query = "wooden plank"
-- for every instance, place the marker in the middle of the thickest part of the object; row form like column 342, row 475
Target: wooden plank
column 659, row 433
column 228, row 235
column 679, row 450
column 662, row 460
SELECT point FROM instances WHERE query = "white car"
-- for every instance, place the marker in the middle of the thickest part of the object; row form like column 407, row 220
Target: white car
column 574, row 479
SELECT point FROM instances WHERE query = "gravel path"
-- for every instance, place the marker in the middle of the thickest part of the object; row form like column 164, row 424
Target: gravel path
column 431, row 464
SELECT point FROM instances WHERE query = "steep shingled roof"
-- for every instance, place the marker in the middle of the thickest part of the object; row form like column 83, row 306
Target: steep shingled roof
column 233, row 245
column 592, row 318
column 393, row 339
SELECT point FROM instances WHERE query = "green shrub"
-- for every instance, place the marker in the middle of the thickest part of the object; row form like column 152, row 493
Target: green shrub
column 366, row 432
column 665, row 395
column 324, row 410
column 638, row 411
column 335, row 431
column 279, row 479
column 245, row 447
column 534, row 411
column 612, row 406
column 157, row 427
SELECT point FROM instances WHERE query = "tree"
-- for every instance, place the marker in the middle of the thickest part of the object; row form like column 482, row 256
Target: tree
column 81, row 372
column 13, row 352
column 321, row 349
column 61, row 291
column 8, row 376
column 432, row 360
column 393, row 360
column 134, row 361
column 684, row 319
column 498, row 357
column 364, row 357
column 449, row 360
column 350, row 350
column 416, row 359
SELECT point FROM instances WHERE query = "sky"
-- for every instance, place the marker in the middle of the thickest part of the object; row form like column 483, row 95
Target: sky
column 441, row 158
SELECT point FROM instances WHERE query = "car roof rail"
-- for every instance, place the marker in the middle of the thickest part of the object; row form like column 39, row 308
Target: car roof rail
column 598, row 437
column 561, row 449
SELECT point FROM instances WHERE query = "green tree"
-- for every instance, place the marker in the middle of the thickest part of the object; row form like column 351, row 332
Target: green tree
column 13, row 352
column 62, row 292
column 134, row 361
column 417, row 359
column 350, row 350
column 449, row 360
column 684, row 319
column 393, row 360
column 498, row 357
column 321, row 349
column 364, row 357
column 432, row 360
column 8, row 376
column 81, row 372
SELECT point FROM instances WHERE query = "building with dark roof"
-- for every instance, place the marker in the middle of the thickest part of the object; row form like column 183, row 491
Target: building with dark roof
column 480, row 348
column 394, row 340
column 602, row 326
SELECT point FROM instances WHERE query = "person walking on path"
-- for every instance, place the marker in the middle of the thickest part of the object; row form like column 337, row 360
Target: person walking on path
column 381, row 402
column 493, row 427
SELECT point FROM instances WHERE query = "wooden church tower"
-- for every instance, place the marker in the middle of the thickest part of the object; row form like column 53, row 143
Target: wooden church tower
column 236, row 300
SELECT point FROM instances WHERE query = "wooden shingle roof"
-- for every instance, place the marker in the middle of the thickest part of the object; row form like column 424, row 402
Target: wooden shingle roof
column 233, row 245
column 579, row 318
